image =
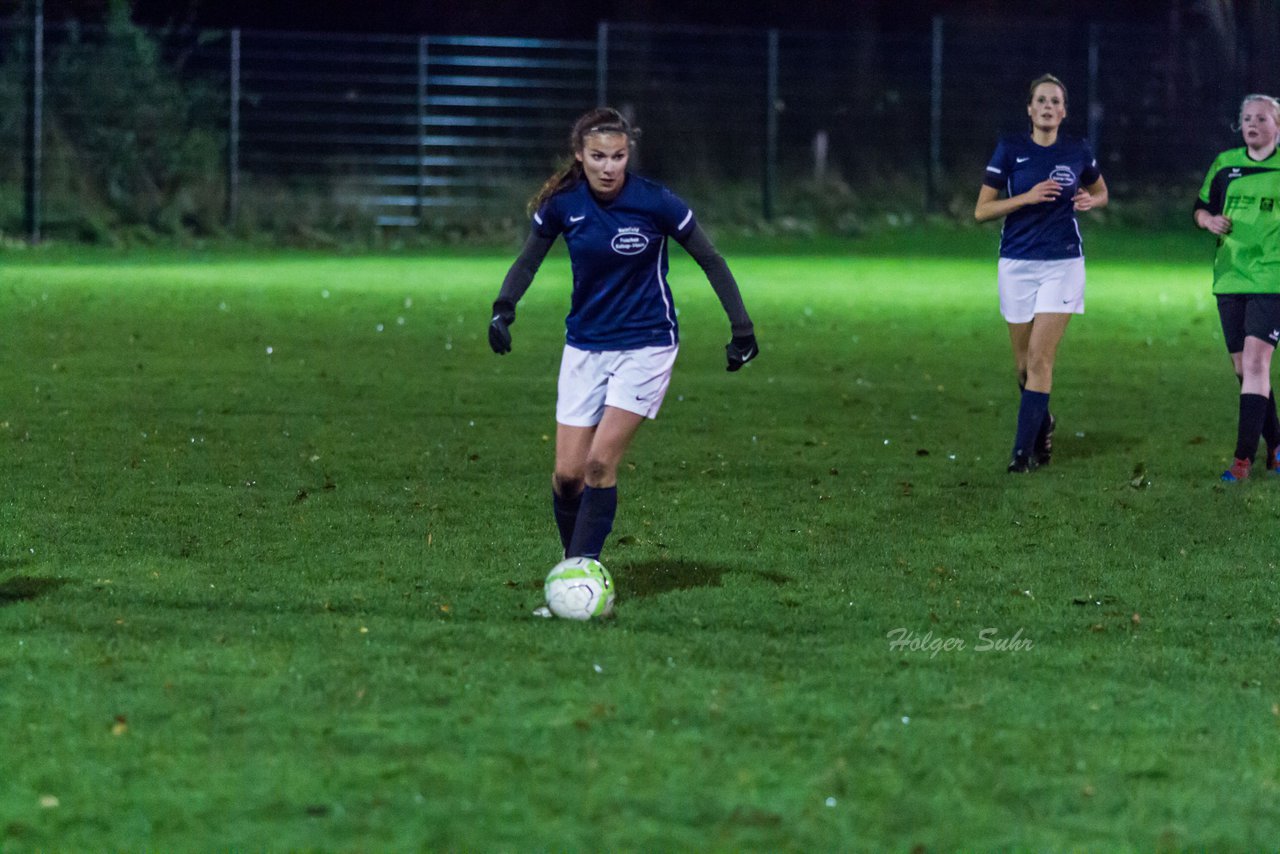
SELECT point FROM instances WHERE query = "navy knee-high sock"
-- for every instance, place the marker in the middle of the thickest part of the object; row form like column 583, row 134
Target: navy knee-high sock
column 566, row 510
column 1031, row 413
column 1253, row 412
column 595, row 521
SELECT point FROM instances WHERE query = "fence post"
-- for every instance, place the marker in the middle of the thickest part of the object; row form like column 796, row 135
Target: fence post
column 35, row 125
column 933, row 187
column 233, row 130
column 602, row 63
column 423, row 57
column 1095, row 105
column 770, row 126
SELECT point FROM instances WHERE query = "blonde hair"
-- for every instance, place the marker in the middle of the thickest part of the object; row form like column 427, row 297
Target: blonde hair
column 1257, row 96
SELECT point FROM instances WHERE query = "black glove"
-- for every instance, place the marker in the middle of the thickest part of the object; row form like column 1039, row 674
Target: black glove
column 740, row 350
column 504, row 314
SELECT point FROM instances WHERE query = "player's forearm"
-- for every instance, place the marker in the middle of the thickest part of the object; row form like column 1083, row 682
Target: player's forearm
column 699, row 246
column 989, row 209
column 526, row 265
column 1098, row 192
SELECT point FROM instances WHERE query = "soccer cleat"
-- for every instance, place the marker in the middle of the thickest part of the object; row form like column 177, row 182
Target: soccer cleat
column 1021, row 464
column 1239, row 471
column 1044, row 440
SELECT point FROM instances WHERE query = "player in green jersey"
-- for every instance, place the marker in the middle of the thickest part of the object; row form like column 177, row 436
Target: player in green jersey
column 1240, row 203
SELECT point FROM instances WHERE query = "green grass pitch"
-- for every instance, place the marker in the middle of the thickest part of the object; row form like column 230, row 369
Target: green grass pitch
column 273, row 528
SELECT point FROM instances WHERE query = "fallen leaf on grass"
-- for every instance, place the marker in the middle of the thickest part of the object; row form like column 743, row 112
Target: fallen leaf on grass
column 1139, row 478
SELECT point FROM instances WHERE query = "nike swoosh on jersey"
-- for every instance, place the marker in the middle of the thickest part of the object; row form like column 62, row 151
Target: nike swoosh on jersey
column 577, row 218
column 1021, row 159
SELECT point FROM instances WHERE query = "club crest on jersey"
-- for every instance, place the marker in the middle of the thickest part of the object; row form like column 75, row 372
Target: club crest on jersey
column 629, row 241
column 1063, row 175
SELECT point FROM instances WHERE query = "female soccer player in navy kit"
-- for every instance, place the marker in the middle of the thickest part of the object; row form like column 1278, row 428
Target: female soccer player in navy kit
column 1240, row 203
column 1046, row 179
column 621, row 332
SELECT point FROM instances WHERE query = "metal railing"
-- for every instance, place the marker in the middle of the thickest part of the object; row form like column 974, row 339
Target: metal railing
column 404, row 125
column 404, row 130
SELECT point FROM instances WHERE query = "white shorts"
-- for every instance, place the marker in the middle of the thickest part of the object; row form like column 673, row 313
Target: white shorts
column 634, row 380
column 1028, row 288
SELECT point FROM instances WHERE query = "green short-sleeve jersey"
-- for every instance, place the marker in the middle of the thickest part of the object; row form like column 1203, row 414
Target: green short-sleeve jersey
column 1248, row 192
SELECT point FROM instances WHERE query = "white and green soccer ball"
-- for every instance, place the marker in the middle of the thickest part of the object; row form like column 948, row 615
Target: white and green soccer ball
column 579, row 588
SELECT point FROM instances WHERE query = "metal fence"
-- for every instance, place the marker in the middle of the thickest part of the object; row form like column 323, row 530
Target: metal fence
column 402, row 130
column 405, row 125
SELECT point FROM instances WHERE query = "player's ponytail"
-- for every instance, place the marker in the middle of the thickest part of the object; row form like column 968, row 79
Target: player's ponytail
column 599, row 120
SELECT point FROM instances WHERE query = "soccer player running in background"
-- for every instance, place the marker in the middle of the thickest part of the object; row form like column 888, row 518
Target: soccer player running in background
column 1240, row 203
column 621, row 333
column 1046, row 178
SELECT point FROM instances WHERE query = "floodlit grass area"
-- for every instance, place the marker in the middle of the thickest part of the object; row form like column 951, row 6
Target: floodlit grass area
column 272, row 531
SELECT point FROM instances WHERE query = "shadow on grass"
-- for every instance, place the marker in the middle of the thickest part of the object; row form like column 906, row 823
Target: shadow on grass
column 1092, row 444
column 23, row 587
column 655, row 577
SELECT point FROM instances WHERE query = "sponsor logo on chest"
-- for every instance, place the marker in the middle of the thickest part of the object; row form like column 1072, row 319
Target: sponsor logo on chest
column 629, row 241
column 1063, row 175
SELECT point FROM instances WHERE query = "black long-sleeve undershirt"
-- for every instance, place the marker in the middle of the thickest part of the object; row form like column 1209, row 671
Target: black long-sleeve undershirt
column 696, row 243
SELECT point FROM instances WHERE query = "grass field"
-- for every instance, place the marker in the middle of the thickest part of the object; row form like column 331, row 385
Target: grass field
column 273, row 528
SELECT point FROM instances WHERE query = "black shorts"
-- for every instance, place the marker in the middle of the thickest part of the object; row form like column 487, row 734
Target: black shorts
column 1257, row 315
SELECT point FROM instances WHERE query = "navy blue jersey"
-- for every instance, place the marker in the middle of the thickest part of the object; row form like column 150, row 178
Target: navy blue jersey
column 618, row 250
column 1046, row 231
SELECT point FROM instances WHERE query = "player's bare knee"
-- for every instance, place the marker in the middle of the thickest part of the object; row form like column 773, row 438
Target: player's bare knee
column 599, row 472
column 566, row 485
column 1257, row 364
column 1040, row 367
